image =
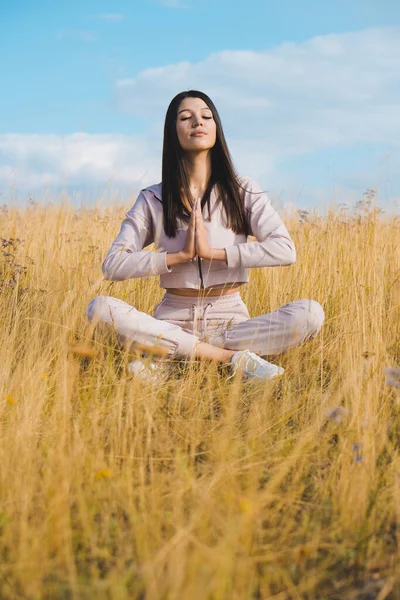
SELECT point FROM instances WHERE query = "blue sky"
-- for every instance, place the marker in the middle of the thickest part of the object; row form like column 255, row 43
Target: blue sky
column 308, row 92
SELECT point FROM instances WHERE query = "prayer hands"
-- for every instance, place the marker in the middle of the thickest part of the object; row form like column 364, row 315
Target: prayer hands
column 189, row 251
column 197, row 243
column 203, row 248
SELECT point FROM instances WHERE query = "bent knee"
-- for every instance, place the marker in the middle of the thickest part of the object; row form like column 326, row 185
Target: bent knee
column 98, row 308
column 315, row 316
column 308, row 316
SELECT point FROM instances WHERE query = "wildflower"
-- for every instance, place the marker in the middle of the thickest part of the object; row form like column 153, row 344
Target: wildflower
column 357, row 453
column 337, row 414
column 369, row 194
column 245, row 505
column 303, row 215
column 393, row 376
column 103, row 474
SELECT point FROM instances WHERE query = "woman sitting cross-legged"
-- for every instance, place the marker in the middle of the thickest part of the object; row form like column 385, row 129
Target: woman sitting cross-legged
column 200, row 217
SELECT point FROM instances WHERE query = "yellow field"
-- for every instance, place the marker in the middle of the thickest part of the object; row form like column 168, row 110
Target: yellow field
column 204, row 489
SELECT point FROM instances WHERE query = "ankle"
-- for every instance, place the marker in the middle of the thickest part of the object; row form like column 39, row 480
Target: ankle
column 226, row 355
column 205, row 350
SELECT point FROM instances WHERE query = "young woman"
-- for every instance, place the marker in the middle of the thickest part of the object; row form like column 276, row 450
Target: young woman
column 199, row 218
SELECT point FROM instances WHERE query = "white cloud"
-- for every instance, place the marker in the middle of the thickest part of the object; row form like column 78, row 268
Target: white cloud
column 30, row 161
column 111, row 17
column 333, row 91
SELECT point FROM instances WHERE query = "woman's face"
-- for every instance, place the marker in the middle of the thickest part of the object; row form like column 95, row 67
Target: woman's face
column 195, row 125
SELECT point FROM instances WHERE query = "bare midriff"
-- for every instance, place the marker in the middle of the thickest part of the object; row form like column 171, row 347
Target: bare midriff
column 222, row 290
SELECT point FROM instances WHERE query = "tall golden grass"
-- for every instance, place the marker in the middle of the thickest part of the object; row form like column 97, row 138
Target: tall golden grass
column 201, row 488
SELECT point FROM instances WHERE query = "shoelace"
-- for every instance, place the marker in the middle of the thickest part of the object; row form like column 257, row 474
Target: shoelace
column 234, row 368
column 252, row 364
column 255, row 363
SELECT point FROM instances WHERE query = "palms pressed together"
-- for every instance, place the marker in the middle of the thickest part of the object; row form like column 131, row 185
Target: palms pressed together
column 197, row 243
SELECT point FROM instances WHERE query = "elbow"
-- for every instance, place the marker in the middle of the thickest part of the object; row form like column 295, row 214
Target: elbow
column 291, row 256
column 285, row 252
column 108, row 273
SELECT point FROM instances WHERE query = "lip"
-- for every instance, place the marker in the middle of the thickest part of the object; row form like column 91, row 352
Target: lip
column 198, row 133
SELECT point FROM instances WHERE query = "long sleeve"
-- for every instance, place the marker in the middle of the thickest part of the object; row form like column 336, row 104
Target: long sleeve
column 274, row 246
column 126, row 258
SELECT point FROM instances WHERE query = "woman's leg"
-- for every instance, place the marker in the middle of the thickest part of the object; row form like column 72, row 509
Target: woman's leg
column 136, row 328
column 204, row 350
column 278, row 331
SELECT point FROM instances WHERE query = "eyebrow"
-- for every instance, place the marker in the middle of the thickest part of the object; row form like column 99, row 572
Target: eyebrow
column 189, row 109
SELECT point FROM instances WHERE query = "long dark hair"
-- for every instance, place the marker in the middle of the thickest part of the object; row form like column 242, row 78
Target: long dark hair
column 175, row 177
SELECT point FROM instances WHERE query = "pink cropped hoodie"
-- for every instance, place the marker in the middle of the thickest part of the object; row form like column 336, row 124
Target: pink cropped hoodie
column 143, row 226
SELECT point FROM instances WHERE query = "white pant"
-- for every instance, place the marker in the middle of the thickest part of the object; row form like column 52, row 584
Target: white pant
column 180, row 322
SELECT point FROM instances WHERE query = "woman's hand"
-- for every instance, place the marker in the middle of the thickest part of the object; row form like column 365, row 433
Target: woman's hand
column 203, row 248
column 189, row 251
column 196, row 241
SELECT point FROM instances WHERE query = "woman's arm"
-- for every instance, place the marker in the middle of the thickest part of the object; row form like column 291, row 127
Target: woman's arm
column 274, row 246
column 126, row 258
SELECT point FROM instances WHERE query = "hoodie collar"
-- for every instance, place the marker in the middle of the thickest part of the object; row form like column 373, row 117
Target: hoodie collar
column 157, row 187
column 156, row 190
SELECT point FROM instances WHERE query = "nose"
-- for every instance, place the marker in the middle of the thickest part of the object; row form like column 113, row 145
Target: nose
column 197, row 121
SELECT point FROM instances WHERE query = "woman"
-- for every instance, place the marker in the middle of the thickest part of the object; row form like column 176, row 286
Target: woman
column 199, row 218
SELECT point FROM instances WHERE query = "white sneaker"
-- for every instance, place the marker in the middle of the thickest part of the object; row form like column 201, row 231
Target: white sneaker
column 252, row 366
column 148, row 370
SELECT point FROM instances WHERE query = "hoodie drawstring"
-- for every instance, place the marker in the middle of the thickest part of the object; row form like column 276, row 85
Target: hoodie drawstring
column 195, row 319
column 207, row 308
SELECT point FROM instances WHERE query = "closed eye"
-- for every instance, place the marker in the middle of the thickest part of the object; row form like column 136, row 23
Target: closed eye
column 186, row 118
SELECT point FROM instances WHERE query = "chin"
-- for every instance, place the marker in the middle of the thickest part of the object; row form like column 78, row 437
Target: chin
column 202, row 145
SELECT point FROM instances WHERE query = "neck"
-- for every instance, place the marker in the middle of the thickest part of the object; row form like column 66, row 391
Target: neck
column 199, row 171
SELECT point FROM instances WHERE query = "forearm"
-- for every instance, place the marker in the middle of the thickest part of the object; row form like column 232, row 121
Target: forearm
column 273, row 252
column 123, row 264
column 176, row 258
column 218, row 254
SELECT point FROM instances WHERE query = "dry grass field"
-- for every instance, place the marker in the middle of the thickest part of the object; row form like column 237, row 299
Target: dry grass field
column 202, row 489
